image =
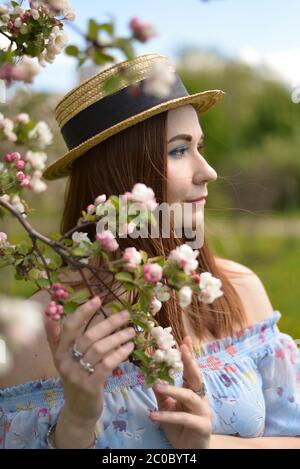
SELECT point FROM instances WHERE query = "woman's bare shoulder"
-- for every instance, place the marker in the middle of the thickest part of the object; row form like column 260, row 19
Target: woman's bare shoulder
column 250, row 289
column 33, row 362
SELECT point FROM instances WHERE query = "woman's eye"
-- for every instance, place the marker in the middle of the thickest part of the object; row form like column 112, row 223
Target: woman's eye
column 178, row 153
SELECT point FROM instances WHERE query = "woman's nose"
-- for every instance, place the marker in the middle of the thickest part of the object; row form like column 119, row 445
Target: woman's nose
column 203, row 172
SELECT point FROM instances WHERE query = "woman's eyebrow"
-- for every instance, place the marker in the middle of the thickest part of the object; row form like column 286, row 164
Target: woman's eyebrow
column 186, row 137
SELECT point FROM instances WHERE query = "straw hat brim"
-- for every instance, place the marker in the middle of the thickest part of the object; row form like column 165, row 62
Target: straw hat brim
column 201, row 102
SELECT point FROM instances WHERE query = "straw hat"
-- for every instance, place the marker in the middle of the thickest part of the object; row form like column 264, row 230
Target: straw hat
column 89, row 114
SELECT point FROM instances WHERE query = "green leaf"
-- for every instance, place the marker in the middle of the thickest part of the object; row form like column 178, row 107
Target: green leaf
column 78, row 251
column 43, row 283
column 80, row 296
column 93, row 29
column 34, row 274
column 71, row 50
column 140, row 355
column 55, row 235
column 108, row 27
column 125, row 46
column 115, row 307
column 111, row 84
column 70, row 307
column 124, row 277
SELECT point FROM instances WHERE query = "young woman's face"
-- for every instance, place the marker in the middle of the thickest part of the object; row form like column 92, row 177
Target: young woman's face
column 188, row 171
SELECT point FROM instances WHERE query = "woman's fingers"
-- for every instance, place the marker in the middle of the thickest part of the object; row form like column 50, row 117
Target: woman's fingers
column 74, row 322
column 102, row 347
column 101, row 330
column 53, row 332
column 186, row 397
column 193, row 422
column 191, row 373
column 109, row 363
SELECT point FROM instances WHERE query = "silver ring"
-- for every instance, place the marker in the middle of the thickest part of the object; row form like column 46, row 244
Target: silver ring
column 76, row 354
column 202, row 391
column 86, row 366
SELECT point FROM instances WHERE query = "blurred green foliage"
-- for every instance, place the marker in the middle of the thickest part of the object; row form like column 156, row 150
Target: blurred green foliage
column 252, row 140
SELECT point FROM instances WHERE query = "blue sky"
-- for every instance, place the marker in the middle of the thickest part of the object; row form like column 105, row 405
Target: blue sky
column 255, row 30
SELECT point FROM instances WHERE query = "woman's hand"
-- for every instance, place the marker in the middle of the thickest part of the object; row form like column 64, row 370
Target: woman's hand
column 102, row 346
column 185, row 416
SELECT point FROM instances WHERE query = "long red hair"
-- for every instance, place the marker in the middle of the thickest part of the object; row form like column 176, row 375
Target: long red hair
column 139, row 154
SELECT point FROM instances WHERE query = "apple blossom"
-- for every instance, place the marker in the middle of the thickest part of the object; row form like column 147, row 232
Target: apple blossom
column 141, row 30
column 36, row 159
column 144, row 195
column 100, row 199
column 152, row 272
column 210, row 288
column 163, row 337
column 132, row 257
column 185, row 256
column 107, row 240
column 155, row 306
column 41, row 134
column 79, row 238
column 160, row 81
column 161, row 292
column 185, row 296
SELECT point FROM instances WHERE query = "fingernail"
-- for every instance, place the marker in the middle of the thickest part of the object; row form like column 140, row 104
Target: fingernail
column 161, row 386
column 125, row 314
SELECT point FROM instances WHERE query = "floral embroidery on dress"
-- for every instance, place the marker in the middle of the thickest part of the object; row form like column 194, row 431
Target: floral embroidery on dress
column 252, row 380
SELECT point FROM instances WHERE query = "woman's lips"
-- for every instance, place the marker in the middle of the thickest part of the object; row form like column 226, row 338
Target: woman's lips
column 201, row 201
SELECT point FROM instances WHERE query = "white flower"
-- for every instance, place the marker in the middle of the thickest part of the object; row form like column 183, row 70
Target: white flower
column 160, row 81
column 210, row 288
column 41, row 134
column 100, row 199
column 172, row 357
column 145, row 195
column 161, row 292
column 36, row 159
column 7, row 126
column 80, row 238
column 38, row 185
column 185, row 296
column 69, row 14
column 155, row 306
column 3, row 240
column 163, row 337
column 35, row 14
column 20, row 320
column 132, row 257
column 23, row 118
column 17, row 204
column 159, row 356
column 185, row 256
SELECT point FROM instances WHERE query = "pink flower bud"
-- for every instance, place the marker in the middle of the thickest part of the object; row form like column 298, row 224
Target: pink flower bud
column 20, row 164
column 25, row 182
column 15, row 156
column 152, row 272
column 20, row 176
column 90, row 209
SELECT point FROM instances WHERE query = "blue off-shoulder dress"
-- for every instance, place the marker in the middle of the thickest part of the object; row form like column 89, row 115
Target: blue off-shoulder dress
column 252, row 380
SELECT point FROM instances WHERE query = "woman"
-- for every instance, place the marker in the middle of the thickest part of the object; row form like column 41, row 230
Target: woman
column 250, row 369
